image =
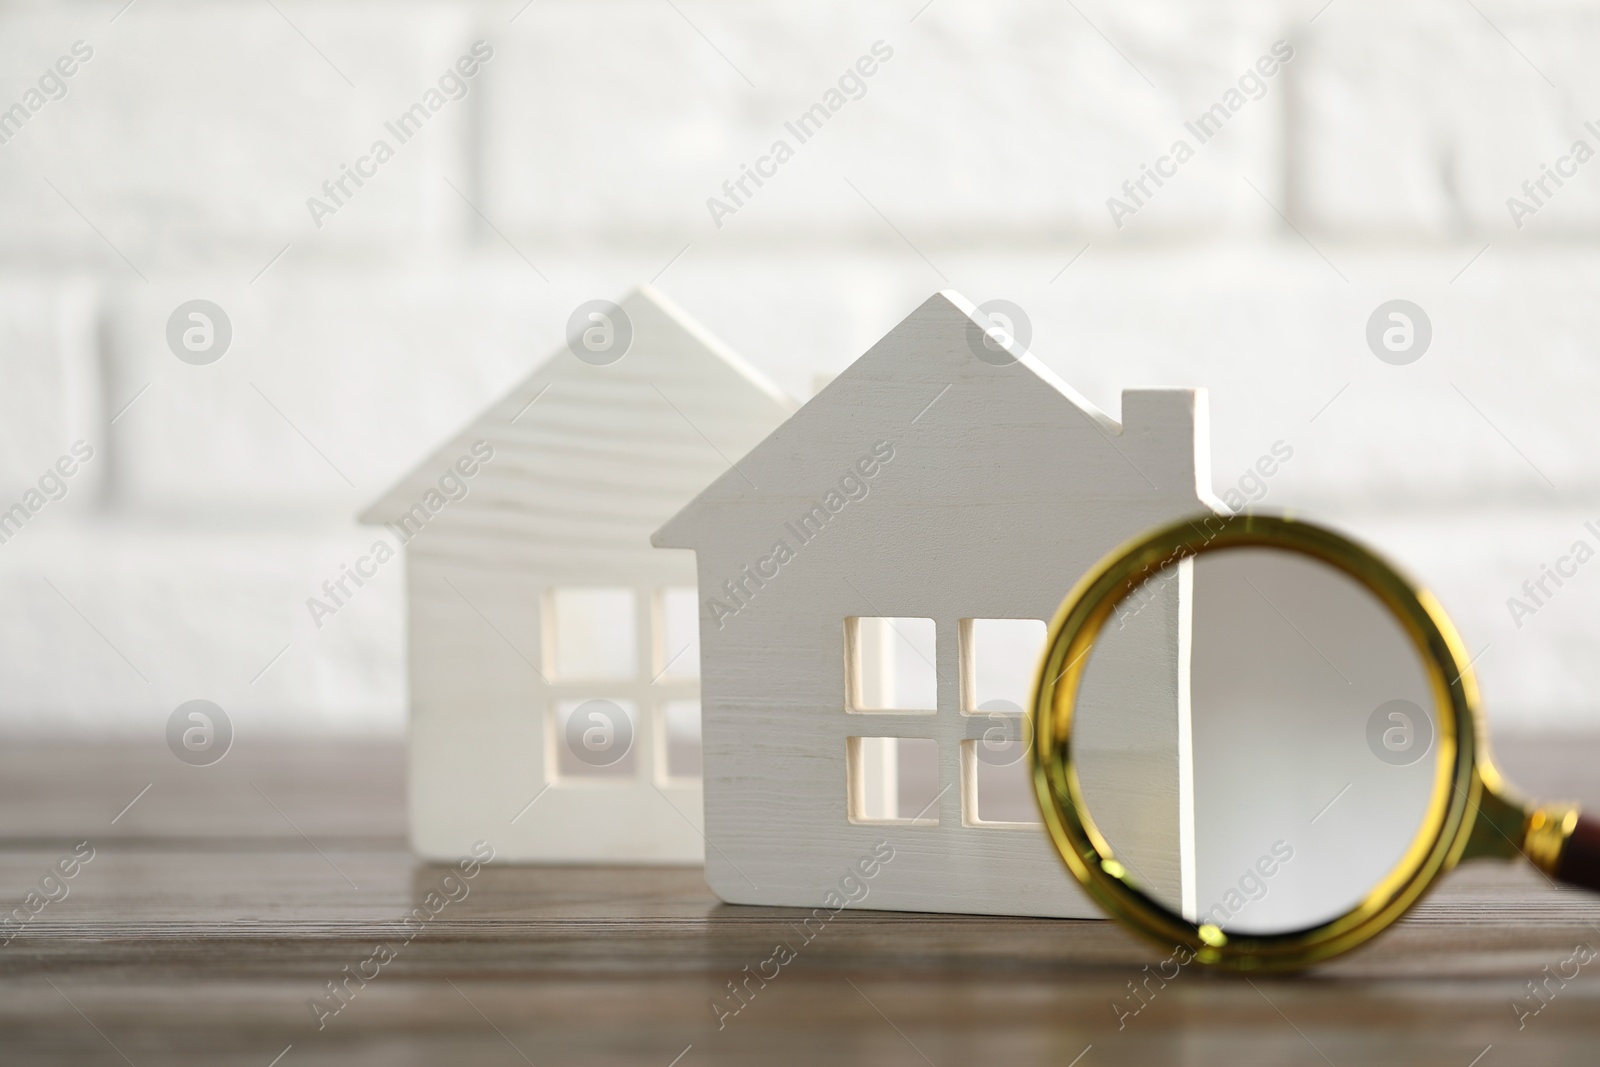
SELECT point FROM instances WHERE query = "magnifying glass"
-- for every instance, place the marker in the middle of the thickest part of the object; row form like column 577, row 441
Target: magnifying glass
column 1257, row 740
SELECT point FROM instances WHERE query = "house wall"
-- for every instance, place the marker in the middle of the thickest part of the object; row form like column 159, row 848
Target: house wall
column 484, row 740
column 776, row 726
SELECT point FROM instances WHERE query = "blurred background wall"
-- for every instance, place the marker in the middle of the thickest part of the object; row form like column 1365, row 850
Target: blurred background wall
column 176, row 161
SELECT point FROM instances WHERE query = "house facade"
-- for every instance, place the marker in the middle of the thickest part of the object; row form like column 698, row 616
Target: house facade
column 552, row 656
column 874, row 580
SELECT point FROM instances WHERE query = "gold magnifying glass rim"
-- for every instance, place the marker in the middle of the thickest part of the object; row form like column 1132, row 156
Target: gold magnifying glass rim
column 1452, row 804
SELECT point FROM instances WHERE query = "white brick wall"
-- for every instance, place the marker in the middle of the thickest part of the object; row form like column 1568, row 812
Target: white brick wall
column 52, row 390
column 989, row 143
column 196, row 132
column 1420, row 120
column 336, row 382
column 110, row 625
column 1016, row 121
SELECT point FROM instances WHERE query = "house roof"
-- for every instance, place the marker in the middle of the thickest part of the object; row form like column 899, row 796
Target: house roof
column 599, row 455
column 927, row 351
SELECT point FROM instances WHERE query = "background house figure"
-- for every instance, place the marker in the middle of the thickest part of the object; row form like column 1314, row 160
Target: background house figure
column 552, row 652
column 874, row 582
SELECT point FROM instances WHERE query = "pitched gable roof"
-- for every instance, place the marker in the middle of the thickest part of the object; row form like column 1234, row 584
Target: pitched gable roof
column 930, row 350
column 601, row 454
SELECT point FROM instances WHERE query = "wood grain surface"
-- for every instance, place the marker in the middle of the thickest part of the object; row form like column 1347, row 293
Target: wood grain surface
column 226, row 898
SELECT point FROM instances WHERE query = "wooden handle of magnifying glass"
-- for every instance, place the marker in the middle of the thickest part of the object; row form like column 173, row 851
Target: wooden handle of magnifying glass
column 1580, row 854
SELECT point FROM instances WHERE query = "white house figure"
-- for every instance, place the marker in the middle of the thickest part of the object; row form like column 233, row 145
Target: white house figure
column 552, row 652
column 874, row 582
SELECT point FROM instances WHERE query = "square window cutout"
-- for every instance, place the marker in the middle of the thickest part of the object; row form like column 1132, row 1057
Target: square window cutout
column 1000, row 782
column 593, row 634
column 890, row 664
column 680, row 721
column 596, row 739
column 1000, row 656
column 893, row 780
column 678, row 634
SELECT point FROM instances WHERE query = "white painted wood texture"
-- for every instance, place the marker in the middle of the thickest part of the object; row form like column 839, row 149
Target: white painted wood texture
column 1131, row 740
column 1001, row 488
column 587, row 461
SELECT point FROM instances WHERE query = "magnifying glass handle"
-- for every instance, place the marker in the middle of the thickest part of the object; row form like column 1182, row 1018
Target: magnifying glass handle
column 1560, row 840
column 1579, row 863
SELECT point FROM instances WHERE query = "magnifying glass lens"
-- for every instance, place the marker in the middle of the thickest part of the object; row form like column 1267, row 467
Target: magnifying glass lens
column 1255, row 740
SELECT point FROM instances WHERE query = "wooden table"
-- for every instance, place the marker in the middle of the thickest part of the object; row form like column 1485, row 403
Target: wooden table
column 222, row 900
